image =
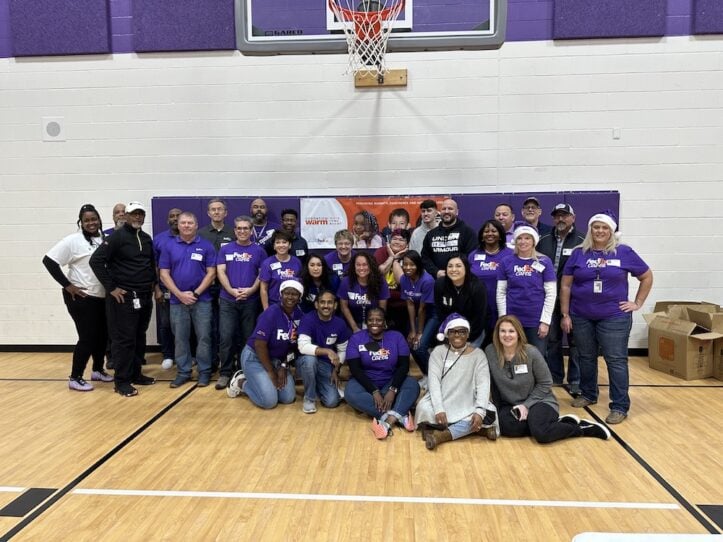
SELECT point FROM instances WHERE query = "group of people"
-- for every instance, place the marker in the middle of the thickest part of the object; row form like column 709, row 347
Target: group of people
column 482, row 314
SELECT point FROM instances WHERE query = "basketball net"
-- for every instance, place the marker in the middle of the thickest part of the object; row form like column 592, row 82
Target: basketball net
column 367, row 25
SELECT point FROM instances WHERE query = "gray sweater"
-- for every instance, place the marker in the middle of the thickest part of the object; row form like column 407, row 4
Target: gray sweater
column 464, row 390
column 531, row 384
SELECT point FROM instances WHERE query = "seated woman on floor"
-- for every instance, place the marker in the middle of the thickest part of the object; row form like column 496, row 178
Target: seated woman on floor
column 459, row 389
column 522, row 390
column 378, row 359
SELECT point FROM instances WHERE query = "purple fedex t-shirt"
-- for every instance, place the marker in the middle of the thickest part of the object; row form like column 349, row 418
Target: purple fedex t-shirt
column 421, row 291
column 336, row 265
column 242, row 266
column 275, row 272
column 358, row 298
column 323, row 333
column 612, row 269
column 278, row 330
column 525, row 286
column 484, row 266
column 379, row 366
column 187, row 263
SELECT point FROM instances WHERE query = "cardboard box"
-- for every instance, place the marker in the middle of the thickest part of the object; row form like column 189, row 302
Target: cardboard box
column 712, row 320
column 680, row 346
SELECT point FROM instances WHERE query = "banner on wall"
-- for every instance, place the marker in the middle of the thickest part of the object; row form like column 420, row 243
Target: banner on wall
column 321, row 218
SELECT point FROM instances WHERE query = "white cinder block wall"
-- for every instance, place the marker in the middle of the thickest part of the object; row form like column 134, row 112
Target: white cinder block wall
column 531, row 117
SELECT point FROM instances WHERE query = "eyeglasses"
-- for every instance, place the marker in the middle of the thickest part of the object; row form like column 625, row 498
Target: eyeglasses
column 530, row 207
column 458, row 331
column 242, row 228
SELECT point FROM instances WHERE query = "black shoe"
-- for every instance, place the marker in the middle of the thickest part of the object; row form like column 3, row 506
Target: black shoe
column 594, row 429
column 573, row 389
column 570, row 419
column 125, row 389
column 143, row 380
column 110, row 365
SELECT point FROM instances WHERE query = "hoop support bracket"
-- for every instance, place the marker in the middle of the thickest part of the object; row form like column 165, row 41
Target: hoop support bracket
column 392, row 78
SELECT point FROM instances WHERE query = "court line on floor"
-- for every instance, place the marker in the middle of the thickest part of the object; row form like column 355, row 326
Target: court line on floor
column 27, row 520
column 370, row 498
column 657, row 476
column 12, row 489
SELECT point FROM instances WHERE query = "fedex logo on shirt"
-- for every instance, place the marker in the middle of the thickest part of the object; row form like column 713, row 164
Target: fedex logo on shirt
column 244, row 257
column 380, row 355
column 488, row 266
column 285, row 273
column 359, row 299
column 522, row 270
column 282, row 335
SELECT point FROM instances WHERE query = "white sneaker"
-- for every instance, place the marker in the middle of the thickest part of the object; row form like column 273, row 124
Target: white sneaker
column 167, row 364
column 423, row 383
column 309, row 406
column 235, row 387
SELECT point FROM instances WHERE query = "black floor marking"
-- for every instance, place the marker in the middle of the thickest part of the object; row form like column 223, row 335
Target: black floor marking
column 714, row 512
column 28, row 500
column 65, row 490
column 662, row 481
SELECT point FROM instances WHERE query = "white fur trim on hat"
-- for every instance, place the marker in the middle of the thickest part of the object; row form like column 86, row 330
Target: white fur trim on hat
column 605, row 219
column 295, row 284
column 457, row 321
column 529, row 230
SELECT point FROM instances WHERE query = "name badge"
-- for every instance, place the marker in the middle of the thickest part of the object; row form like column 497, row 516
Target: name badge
column 197, row 256
column 229, row 257
column 337, row 267
column 300, row 252
column 480, row 257
column 223, row 244
column 136, row 303
column 275, row 266
column 566, row 251
column 290, row 357
column 597, row 286
column 331, row 340
column 613, row 263
column 537, row 266
column 521, row 369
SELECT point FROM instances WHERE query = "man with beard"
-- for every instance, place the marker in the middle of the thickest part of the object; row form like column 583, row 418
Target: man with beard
column 125, row 265
column 558, row 246
column 262, row 228
column 531, row 212
column 451, row 236
column 162, row 296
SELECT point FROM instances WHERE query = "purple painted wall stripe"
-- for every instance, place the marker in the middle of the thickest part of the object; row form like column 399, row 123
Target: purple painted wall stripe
column 708, row 17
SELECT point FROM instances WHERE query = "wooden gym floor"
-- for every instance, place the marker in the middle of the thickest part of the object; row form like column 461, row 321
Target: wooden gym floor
column 192, row 464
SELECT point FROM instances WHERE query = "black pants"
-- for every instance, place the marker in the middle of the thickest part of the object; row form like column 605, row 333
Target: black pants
column 88, row 314
column 542, row 423
column 128, row 335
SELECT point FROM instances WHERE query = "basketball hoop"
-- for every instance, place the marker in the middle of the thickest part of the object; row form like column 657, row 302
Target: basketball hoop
column 367, row 28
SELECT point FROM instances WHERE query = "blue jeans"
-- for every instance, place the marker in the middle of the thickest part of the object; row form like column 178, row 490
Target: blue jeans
column 316, row 375
column 554, row 356
column 236, row 324
column 611, row 335
column 421, row 353
column 259, row 387
column 534, row 340
column 360, row 399
column 182, row 317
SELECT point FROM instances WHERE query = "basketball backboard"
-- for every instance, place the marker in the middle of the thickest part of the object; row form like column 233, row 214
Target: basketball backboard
column 309, row 26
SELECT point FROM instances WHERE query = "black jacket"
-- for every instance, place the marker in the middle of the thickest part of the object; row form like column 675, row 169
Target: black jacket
column 125, row 260
column 470, row 301
column 548, row 243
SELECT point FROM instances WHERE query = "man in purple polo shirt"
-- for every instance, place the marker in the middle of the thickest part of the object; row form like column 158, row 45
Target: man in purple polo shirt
column 506, row 216
column 187, row 268
column 237, row 267
column 323, row 338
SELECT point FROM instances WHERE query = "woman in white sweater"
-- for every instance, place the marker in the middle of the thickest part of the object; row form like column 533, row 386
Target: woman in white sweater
column 459, row 388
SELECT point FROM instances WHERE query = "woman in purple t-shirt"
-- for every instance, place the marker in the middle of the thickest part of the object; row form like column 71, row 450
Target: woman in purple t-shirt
column 378, row 359
column 278, row 268
column 363, row 288
column 594, row 302
column 527, row 287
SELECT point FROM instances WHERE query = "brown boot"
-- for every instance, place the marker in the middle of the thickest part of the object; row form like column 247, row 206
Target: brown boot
column 435, row 438
column 488, row 432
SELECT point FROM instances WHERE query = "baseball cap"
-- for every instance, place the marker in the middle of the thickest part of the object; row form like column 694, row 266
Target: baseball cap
column 531, row 198
column 135, row 206
column 562, row 207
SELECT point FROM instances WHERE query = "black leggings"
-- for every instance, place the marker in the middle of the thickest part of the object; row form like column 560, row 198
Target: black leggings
column 542, row 423
column 88, row 314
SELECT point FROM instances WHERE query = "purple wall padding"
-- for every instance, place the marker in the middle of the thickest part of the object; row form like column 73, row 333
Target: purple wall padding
column 575, row 19
column 708, row 17
column 6, row 49
column 474, row 209
column 59, row 27
column 183, row 25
